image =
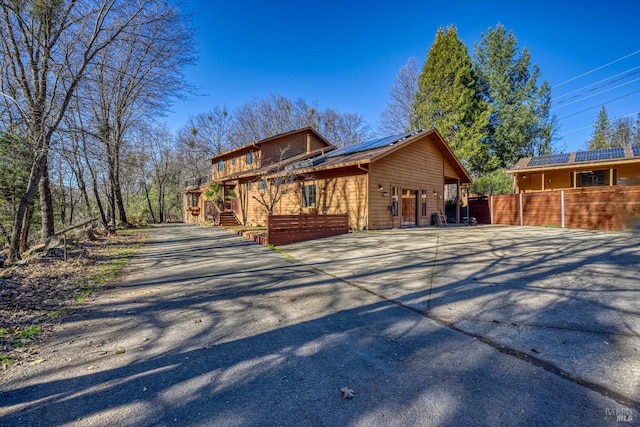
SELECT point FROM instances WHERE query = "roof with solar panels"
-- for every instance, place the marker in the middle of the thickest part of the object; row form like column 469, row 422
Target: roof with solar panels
column 579, row 158
column 373, row 150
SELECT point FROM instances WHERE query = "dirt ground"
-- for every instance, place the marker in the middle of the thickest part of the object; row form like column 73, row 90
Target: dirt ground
column 37, row 292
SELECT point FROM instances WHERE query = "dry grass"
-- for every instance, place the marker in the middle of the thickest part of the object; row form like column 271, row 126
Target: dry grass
column 38, row 292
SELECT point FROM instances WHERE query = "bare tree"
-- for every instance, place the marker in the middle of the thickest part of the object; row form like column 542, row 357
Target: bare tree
column 209, row 132
column 276, row 182
column 132, row 80
column 398, row 116
column 46, row 48
column 277, row 114
column 622, row 132
column 161, row 168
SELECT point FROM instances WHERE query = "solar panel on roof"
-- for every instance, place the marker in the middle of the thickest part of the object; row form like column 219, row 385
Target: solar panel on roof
column 370, row 145
column 603, row 154
column 636, row 150
column 549, row 159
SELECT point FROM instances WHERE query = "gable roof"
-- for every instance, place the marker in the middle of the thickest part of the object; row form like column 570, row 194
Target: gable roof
column 307, row 129
column 357, row 154
column 605, row 156
column 371, row 151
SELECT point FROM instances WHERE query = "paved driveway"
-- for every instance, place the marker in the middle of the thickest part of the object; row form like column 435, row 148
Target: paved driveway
column 456, row 326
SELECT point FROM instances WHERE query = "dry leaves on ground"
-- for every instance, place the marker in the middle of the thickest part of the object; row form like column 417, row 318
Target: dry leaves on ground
column 39, row 291
column 347, row 393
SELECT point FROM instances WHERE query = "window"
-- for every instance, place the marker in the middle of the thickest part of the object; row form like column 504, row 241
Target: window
column 220, row 166
column 249, row 186
column 233, row 160
column 423, row 202
column 249, row 157
column 262, row 184
column 593, row 178
column 192, row 199
column 309, row 196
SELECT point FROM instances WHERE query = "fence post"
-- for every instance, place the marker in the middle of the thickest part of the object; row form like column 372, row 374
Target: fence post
column 491, row 208
column 562, row 206
column 521, row 211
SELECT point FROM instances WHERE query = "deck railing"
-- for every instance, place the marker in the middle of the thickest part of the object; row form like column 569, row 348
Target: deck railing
column 197, row 182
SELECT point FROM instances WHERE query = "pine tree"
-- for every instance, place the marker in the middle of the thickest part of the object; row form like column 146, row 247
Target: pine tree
column 601, row 131
column 448, row 100
column 519, row 110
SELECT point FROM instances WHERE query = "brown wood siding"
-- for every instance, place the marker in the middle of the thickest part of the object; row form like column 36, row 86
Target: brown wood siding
column 193, row 214
column 596, row 208
column 337, row 192
column 285, row 229
column 240, row 165
column 418, row 166
column 292, row 145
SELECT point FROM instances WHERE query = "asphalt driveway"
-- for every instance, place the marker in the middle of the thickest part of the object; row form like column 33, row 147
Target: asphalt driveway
column 451, row 326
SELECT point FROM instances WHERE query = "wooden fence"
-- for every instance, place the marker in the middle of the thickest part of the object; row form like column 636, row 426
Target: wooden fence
column 285, row 229
column 608, row 208
column 478, row 208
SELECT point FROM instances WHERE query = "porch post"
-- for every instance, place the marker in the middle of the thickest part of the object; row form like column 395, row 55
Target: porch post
column 458, row 201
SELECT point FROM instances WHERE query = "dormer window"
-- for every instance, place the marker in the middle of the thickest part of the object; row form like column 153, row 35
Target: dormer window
column 249, row 157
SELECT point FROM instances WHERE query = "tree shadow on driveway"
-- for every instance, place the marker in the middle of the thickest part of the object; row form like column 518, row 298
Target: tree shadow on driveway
column 252, row 338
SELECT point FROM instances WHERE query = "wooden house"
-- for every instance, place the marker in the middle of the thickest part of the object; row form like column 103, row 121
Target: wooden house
column 389, row 182
column 591, row 168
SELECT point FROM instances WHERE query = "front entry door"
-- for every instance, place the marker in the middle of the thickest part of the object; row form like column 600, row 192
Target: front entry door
column 409, row 207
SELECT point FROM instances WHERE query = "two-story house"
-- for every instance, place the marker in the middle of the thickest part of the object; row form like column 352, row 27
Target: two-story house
column 384, row 183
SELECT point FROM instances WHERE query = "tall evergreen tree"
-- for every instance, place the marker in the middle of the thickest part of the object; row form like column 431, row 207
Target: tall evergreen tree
column 519, row 117
column 448, row 100
column 601, row 131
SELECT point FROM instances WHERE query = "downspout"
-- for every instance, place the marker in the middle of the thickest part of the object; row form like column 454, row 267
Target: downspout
column 365, row 220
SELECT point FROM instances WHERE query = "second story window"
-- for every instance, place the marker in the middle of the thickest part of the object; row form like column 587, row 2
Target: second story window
column 249, row 157
column 220, row 166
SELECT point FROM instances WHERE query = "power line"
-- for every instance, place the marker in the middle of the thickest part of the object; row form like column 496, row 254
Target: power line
column 630, row 72
column 591, row 126
column 596, row 94
column 598, row 105
column 596, row 69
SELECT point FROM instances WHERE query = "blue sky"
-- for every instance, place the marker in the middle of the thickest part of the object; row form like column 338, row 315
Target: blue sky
column 346, row 54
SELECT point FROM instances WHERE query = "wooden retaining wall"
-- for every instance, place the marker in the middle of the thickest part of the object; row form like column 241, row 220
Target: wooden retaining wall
column 285, row 229
column 608, row 208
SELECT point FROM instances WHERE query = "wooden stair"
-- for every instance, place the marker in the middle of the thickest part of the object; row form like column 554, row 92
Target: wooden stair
column 228, row 219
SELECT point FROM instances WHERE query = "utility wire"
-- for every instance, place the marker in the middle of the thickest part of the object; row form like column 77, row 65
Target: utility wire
column 596, row 94
column 598, row 105
column 596, row 69
column 630, row 72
